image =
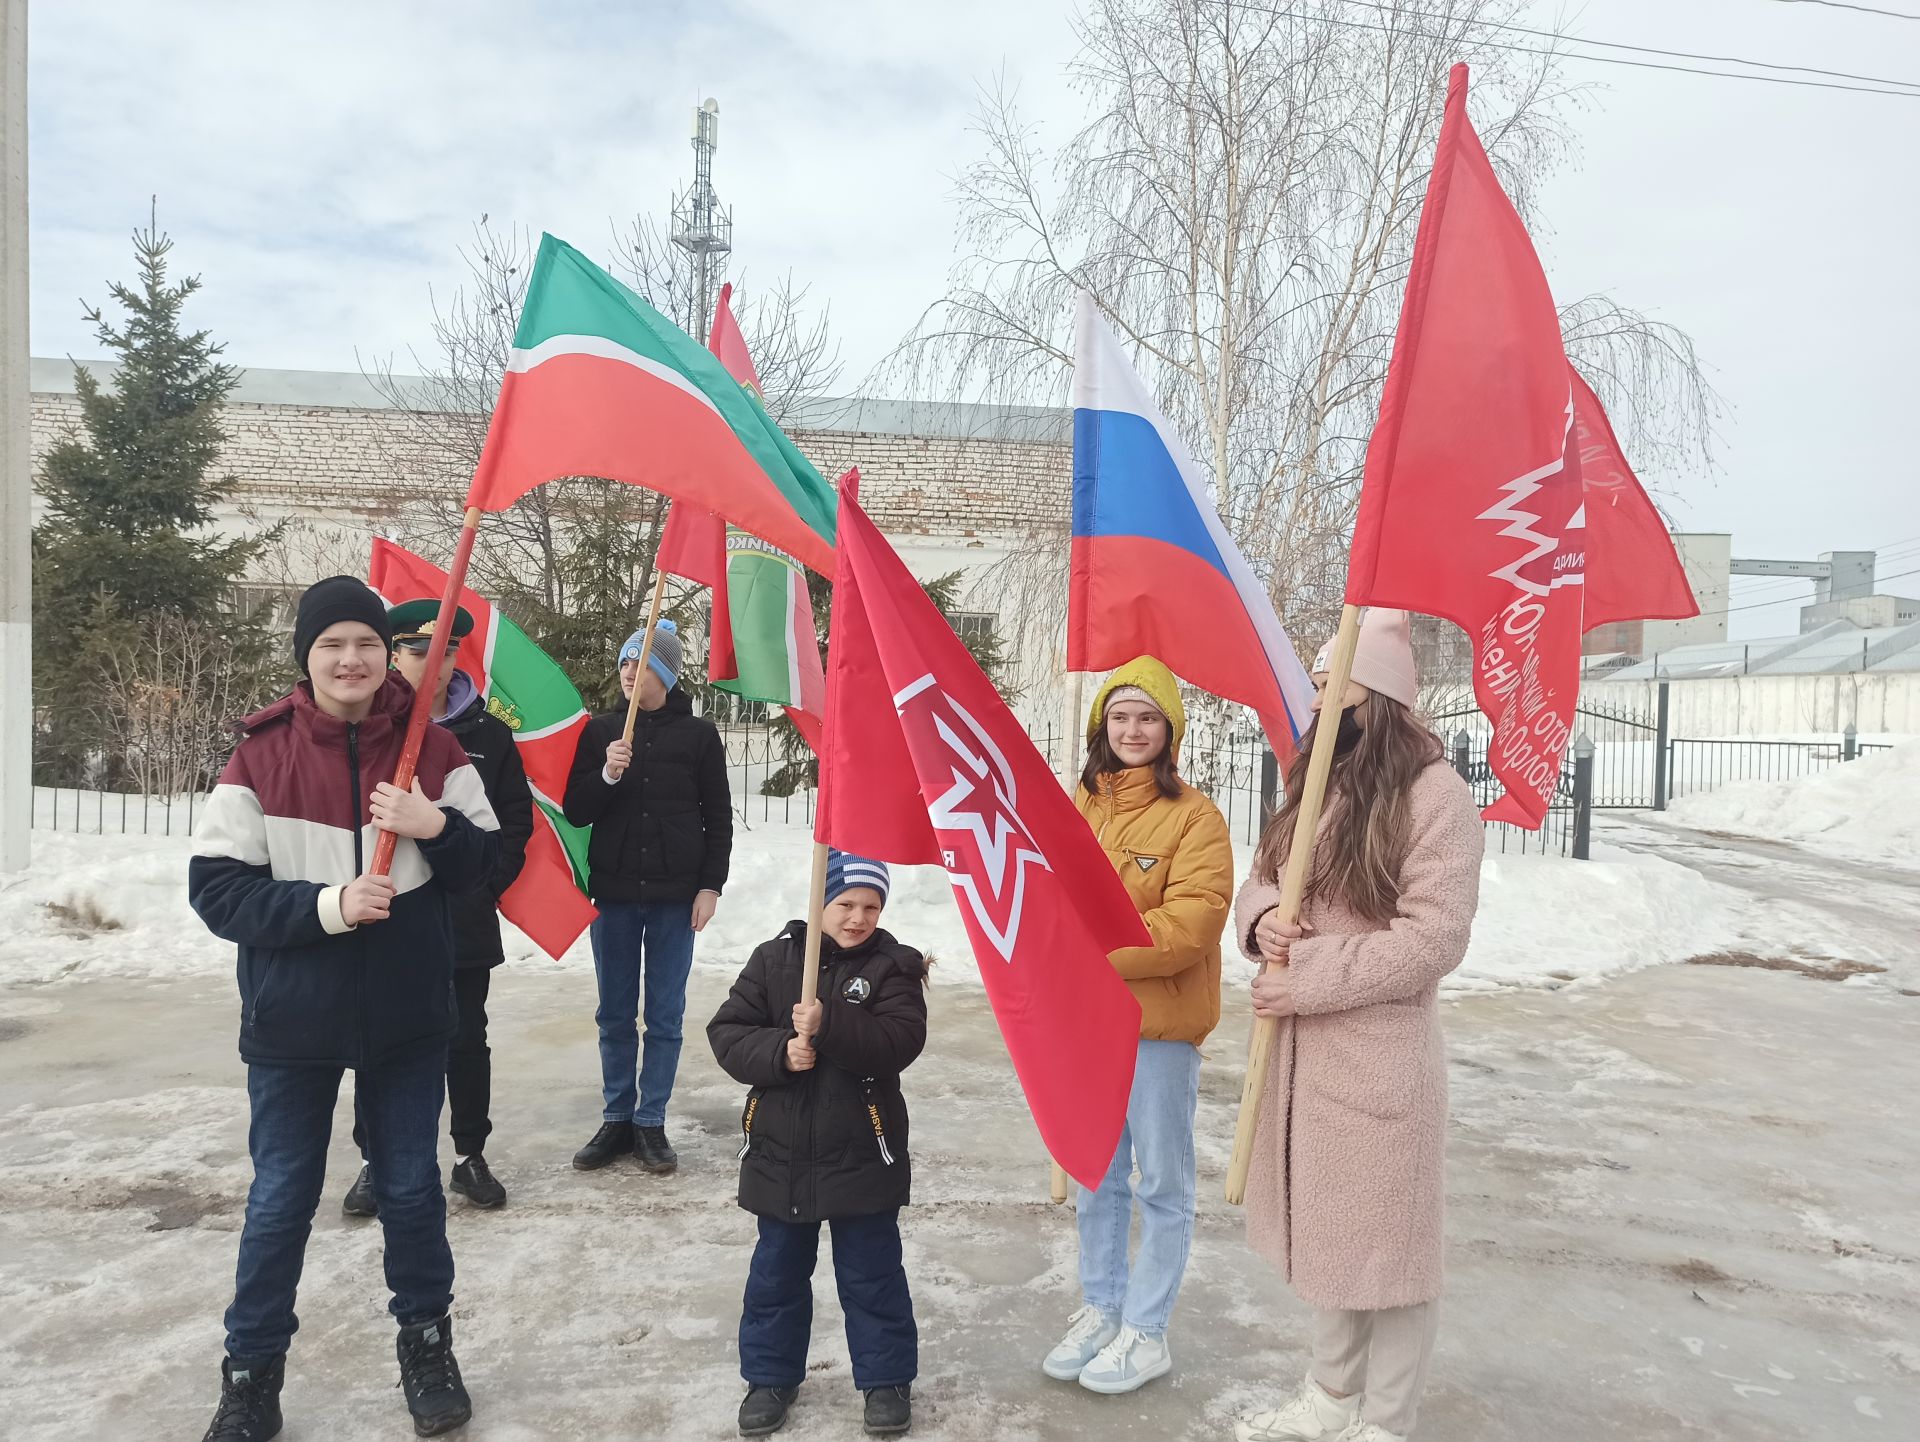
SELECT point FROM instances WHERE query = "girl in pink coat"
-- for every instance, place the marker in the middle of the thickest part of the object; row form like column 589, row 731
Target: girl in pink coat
column 1347, row 1180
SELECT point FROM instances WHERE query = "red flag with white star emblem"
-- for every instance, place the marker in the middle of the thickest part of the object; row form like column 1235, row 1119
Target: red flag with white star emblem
column 923, row 764
column 1474, row 504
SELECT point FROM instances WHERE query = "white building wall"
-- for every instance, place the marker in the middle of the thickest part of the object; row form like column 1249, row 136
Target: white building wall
column 1776, row 705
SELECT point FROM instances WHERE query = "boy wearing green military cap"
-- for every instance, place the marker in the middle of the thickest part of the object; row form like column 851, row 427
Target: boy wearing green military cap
column 460, row 708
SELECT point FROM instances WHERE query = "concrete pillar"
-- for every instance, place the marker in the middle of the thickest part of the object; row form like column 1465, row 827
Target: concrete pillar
column 16, row 480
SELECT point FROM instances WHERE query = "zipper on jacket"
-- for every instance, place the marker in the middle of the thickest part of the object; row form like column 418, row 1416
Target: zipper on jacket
column 360, row 950
column 746, row 1127
column 353, row 775
column 879, row 1128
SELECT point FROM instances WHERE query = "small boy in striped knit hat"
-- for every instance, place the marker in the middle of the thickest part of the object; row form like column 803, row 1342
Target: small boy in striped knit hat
column 824, row 1139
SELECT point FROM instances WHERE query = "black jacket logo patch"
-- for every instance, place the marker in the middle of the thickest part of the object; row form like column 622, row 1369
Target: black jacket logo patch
column 1146, row 863
column 857, row 989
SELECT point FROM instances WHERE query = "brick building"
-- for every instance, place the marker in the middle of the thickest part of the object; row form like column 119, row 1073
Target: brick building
column 956, row 487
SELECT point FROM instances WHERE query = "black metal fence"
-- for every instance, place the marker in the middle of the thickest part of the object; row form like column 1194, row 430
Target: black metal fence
column 115, row 813
column 1622, row 759
column 1697, row 766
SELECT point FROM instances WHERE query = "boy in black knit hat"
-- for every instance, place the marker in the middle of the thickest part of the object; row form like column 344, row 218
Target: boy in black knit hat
column 341, row 970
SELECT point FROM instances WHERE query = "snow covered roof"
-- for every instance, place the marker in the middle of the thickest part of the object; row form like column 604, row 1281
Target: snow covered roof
column 1834, row 649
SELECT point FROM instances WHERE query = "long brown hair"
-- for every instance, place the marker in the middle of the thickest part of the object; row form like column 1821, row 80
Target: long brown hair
column 1103, row 760
column 1358, row 861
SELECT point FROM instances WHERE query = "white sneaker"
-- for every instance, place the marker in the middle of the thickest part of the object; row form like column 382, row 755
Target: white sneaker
column 1129, row 1361
column 1088, row 1330
column 1368, row 1432
column 1310, row 1415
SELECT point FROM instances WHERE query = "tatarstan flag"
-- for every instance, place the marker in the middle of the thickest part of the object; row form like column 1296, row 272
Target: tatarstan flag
column 525, row 688
column 762, row 644
column 599, row 383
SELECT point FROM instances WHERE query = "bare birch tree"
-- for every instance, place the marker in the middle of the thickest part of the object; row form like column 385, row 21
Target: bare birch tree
column 1241, row 202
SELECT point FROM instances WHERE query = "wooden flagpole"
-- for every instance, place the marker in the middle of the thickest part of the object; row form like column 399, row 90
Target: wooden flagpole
column 1293, row 888
column 422, row 711
column 646, row 648
column 816, row 904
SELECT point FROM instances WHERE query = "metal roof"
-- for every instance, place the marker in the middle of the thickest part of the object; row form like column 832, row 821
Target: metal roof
column 864, row 415
column 1837, row 648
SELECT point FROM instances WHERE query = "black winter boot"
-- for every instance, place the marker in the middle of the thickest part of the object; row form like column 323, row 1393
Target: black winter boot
column 889, row 1411
column 435, row 1395
column 359, row 1201
column 249, row 1401
column 614, row 1139
column 472, row 1180
column 764, row 1410
column 656, row 1153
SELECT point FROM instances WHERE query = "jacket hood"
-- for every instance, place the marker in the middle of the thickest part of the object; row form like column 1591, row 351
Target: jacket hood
column 462, row 693
column 391, row 704
column 1157, row 681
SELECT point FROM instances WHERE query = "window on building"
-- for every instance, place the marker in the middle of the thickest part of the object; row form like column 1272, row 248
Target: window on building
column 974, row 627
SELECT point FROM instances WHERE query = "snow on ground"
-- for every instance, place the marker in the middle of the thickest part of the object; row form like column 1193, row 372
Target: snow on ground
column 116, row 906
column 1868, row 809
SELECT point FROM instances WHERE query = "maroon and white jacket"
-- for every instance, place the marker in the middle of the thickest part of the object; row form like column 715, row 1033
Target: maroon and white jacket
column 286, row 829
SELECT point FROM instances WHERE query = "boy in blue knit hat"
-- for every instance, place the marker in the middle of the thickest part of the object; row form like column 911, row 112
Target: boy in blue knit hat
column 662, row 819
column 824, row 1138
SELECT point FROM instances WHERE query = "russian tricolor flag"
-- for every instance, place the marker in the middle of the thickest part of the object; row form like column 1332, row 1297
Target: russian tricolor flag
column 1154, row 570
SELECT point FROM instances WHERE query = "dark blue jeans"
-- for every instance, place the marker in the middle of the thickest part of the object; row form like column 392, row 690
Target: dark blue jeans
column 292, row 1123
column 662, row 932
column 776, row 1318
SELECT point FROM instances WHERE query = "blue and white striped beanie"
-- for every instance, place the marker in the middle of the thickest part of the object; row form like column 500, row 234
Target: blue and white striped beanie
column 845, row 872
column 664, row 659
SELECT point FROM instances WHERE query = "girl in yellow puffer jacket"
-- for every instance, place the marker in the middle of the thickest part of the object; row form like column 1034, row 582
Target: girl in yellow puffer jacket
column 1171, row 848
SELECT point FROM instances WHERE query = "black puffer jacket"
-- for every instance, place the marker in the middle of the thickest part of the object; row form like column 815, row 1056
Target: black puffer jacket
column 664, row 830
column 489, row 744
column 832, row 1141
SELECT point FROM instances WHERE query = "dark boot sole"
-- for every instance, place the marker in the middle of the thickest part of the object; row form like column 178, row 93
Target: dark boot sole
column 487, row 1205
column 659, row 1169
column 906, row 1426
column 594, row 1164
column 349, row 1210
column 434, row 1426
column 764, row 1431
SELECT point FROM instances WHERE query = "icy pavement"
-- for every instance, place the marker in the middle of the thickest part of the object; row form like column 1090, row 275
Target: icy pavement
column 1683, row 1206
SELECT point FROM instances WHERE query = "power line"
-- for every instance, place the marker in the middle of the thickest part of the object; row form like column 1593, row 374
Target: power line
column 1785, row 587
column 1863, row 9
column 1602, row 59
column 1788, row 601
column 1391, row 9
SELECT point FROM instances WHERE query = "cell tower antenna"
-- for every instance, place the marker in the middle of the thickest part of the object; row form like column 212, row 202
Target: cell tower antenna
column 702, row 227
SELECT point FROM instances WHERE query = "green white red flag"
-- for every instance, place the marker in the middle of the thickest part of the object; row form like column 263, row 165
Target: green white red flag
column 762, row 644
column 599, row 383
column 527, row 690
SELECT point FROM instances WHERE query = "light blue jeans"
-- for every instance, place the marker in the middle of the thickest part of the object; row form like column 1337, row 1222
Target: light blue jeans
column 1158, row 1139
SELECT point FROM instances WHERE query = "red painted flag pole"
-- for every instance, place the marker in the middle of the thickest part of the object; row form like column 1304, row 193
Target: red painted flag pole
column 422, row 712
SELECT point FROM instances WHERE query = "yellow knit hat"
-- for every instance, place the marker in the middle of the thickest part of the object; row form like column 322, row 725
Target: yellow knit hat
column 1146, row 674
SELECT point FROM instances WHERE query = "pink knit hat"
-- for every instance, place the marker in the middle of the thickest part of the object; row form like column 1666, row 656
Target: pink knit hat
column 1383, row 661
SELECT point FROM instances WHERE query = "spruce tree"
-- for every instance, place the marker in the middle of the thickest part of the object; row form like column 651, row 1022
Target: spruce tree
column 129, row 498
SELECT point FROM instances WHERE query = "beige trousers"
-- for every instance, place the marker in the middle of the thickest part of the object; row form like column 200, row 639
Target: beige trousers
column 1382, row 1356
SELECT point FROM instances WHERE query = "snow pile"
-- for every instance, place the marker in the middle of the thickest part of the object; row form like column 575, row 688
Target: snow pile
column 103, row 905
column 1545, row 921
column 116, row 905
column 1867, row 808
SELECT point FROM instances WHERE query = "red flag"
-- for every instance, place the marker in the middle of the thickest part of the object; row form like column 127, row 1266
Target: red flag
column 693, row 544
column 924, row 764
column 1633, row 571
column 527, row 690
column 1472, row 506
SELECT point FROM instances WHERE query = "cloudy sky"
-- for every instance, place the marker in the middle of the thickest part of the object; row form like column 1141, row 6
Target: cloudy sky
column 318, row 164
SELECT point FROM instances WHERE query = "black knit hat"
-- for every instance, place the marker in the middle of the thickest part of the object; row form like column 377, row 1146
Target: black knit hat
column 338, row 598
